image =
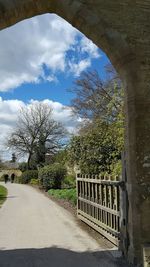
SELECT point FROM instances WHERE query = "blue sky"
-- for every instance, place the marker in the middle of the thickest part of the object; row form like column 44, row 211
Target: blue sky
column 39, row 60
column 55, row 90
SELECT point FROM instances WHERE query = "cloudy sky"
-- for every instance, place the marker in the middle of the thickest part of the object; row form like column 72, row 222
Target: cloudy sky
column 39, row 60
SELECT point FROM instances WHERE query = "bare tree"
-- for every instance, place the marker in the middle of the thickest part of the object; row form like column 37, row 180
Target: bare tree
column 36, row 133
column 95, row 98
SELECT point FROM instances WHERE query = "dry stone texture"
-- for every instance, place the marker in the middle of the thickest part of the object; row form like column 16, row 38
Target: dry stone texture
column 122, row 29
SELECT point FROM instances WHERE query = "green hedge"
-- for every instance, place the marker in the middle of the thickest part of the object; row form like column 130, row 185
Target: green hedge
column 51, row 176
column 28, row 175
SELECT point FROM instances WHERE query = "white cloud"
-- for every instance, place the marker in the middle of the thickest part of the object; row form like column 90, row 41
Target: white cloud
column 9, row 110
column 41, row 41
column 62, row 114
column 77, row 68
column 89, row 47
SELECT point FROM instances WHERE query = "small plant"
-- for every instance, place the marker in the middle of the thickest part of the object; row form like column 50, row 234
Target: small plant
column 34, row 182
column 67, row 194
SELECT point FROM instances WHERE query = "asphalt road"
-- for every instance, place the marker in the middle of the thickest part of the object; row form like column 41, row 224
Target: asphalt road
column 36, row 232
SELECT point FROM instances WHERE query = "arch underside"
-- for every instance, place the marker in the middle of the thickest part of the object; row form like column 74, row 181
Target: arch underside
column 99, row 22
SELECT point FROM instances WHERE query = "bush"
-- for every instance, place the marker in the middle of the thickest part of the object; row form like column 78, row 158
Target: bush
column 51, row 176
column 28, row 175
column 116, row 169
column 18, row 179
column 23, row 166
column 34, row 182
column 67, row 194
column 2, row 178
column 69, row 181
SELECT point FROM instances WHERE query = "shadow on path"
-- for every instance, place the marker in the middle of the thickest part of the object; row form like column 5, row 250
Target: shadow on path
column 2, row 198
column 57, row 257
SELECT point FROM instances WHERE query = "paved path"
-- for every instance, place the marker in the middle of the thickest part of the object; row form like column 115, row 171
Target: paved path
column 36, row 232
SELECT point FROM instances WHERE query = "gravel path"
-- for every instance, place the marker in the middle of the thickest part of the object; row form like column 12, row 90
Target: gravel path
column 36, row 232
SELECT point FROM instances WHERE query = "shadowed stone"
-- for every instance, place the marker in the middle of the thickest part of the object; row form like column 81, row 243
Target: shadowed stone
column 122, row 30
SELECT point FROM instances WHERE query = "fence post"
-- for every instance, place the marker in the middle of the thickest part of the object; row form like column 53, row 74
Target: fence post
column 124, row 240
column 101, row 208
column 77, row 188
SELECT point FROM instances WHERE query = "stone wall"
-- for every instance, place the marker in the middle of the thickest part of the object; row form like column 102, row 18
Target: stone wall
column 122, row 29
column 9, row 172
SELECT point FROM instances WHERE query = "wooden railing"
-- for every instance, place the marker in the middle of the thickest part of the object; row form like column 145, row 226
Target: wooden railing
column 98, row 204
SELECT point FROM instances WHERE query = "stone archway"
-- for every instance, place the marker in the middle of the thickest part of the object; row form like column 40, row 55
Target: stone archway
column 121, row 29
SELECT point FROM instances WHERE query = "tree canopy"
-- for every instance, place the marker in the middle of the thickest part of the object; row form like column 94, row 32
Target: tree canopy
column 97, row 146
column 36, row 133
column 95, row 98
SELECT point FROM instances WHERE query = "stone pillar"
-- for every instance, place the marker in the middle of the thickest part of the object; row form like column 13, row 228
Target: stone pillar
column 138, row 161
column 121, row 29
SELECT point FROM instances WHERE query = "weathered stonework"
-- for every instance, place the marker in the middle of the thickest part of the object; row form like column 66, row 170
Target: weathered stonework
column 122, row 29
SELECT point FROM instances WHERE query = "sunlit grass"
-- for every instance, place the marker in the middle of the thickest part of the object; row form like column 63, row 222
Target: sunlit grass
column 67, row 194
column 3, row 194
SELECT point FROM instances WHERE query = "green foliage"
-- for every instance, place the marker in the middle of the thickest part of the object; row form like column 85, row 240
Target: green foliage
column 2, row 178
column 69, row 181
column 98, row 145
column 34, row 182
column 51, row 176
column 28, row 175
column 23, row 166
column 18, row 180
column 67, row 194
column 3, row 194
column 95, row 150
column 116, row 168
column 60, row 157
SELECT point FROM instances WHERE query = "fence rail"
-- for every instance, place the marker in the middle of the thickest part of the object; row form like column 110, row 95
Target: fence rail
column 98, row 204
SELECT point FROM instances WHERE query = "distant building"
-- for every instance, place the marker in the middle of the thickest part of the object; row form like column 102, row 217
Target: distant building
column 11, row 165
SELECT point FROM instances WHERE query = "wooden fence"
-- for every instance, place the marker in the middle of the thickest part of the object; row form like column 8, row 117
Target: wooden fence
column 98, row 204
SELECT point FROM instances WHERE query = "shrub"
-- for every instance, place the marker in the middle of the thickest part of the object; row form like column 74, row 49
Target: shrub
column 18, row 179
column 69, row 181
column 116, row 169
column 51, row 176
column 28, row 175
column 23, row 166
column 2, row 178
column 34, row 182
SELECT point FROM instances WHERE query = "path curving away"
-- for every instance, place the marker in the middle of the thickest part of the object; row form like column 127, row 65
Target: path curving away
column 36, row 232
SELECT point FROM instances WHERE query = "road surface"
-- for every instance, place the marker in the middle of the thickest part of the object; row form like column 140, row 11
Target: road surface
column 36, row 232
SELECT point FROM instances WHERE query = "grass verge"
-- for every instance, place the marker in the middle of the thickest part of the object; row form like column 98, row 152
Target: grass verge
column 3, row 194
column 66, row 194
